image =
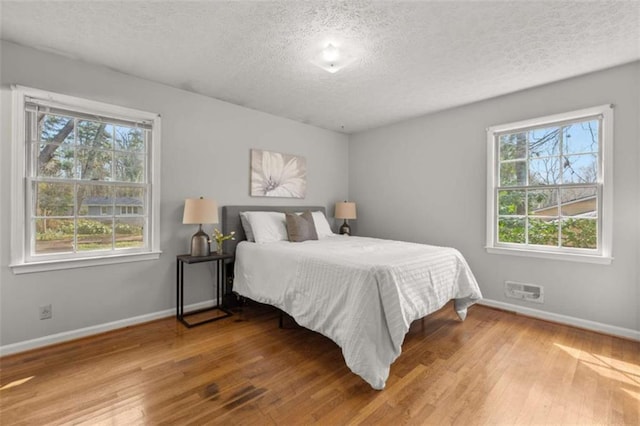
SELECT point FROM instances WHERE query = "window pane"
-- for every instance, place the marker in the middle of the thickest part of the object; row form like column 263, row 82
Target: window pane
column 544, row 171
column 94, row 165
column 543, row 231
column 93, row 198
column 95, row 135
column 580, row 201
column 129, row 232
column 129, row 167
column 580, row 168
column 55, row 150
column 130, row 201
column 54, row 236
column 513, row 173
column 56, row 129
column 543, row 202
column 513, row 146
column 54, row 160
column 95, row 234
column 511, row 202
column 580, row 233
column 511, row 230
column 544, row 142
column 129, row 139
column 53, row 199
column 581, row 137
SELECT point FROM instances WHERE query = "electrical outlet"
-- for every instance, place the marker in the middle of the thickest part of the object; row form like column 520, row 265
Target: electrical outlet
column 46, row 312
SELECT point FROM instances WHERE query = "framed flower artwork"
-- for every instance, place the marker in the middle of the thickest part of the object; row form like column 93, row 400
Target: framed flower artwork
column 274, row 174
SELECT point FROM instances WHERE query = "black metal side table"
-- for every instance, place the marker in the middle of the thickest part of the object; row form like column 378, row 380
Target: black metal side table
column 220, row 272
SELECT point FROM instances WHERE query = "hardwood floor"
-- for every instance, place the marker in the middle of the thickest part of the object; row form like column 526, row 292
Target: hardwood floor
column 493, row 368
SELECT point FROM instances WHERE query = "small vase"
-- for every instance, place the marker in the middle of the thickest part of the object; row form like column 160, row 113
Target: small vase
column 219, row 247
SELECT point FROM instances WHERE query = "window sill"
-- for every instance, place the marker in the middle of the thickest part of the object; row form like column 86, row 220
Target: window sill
column 56, row 265
column 572, row 257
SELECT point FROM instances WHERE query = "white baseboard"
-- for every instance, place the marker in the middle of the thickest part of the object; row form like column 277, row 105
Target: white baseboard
column 101, row 328
column 95, row 329
column 564, row 319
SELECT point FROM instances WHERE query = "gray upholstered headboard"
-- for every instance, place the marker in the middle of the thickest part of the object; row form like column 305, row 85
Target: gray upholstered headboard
column 231, row 220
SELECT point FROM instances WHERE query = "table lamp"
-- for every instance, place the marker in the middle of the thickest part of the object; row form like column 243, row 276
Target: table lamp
column 345, row 210
column 196, row 212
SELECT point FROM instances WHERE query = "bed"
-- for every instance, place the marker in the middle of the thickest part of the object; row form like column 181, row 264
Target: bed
column 363, row 293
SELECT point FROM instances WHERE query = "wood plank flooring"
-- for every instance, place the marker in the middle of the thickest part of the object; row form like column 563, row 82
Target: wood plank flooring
column 493, row 368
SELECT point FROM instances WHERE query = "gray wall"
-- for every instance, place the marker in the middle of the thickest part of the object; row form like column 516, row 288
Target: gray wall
column 421, row 180
column 424, row 180
column 205, row 152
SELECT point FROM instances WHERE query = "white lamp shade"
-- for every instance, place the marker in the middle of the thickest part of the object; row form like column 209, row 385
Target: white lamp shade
column 345, row 210
column 199, row 210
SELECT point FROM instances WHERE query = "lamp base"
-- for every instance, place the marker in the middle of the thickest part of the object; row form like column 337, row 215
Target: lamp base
column 200, row 244
column 345, row 229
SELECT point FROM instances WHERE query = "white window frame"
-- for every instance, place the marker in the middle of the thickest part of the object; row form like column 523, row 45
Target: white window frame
column 603, row 255
column 21, row 261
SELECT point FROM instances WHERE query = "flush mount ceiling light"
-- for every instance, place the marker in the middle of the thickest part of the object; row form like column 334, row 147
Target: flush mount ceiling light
column 330, row 54
column 332, row 59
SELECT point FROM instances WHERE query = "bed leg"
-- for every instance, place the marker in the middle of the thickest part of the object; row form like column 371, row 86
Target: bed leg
column 462, row 314
column 460, row 307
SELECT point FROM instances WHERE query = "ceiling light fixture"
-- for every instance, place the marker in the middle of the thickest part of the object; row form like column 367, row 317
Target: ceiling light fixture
column 331, row 59
column 330, row 53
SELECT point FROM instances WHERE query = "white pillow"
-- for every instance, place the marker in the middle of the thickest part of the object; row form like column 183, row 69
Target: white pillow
column 322, row 226
column 268, row 227
column 248, row 232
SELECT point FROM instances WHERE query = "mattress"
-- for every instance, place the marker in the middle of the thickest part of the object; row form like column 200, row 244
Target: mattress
column 363, row 293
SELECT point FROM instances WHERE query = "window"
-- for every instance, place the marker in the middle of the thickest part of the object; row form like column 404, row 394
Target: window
column 86, row 182
column 129, row 210
column 550, row 186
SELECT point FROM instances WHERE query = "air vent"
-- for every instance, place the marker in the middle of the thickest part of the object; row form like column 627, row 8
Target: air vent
column 527, row 292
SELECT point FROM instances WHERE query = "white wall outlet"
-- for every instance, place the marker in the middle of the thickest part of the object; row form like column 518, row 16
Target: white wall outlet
column 46, row 312
column 522, row 291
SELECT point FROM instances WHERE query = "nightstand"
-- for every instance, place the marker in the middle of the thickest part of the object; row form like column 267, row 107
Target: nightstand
column 220, row 273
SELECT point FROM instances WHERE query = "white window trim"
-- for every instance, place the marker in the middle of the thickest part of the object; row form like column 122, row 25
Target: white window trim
column 606, row 235
column 19, row 262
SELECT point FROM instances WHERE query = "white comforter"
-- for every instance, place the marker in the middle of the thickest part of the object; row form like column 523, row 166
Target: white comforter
column 363, row 293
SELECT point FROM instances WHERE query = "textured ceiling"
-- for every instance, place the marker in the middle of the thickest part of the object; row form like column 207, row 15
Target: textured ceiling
column 411, row 58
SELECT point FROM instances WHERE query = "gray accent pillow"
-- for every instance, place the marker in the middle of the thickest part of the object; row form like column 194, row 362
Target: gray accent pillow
column 300, row 227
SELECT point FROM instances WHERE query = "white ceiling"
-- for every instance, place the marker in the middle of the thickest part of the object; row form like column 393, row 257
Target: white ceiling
column 412, row 58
